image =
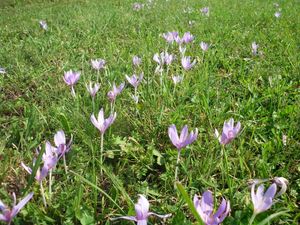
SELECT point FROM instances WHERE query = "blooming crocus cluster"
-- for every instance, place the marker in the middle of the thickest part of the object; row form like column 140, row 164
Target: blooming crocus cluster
column 170, row 37
column 98, row 64
column 204, row 46
column 187, row 63
column 205, row 11
column 71, row 78
column 101, row 123
column 43, row 24
column 205, row 208
column 8, row 214
column 115, row 92
column 136, row 60
column 184, row 139
column 254, row 47
column 164, row 58
column 229, row 132
column 142, row 212
column 93, row 90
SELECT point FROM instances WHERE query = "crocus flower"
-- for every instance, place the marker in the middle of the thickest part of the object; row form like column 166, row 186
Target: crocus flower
column 205, row 11
column 170, row 36
column 184, row 139
column 43, row 24
column 159, row 58
column 136, row 60
column 61, row 143
column 262, row 201
column 229, row 132
column 187, row 37
column 40, row 173
column 205, row 208
column 254, row 48
column 50, row 156
column 168, row 58
column 93, row 90
column 177, row 79
column 281, row 182
column 8, row 214
column 101, row 123
column 137, row 6
column 134, row 80
column 2, row 71
column 277, row 14
column 204, row 46
column 186, row 62
column 71, row 79
column 98, row 64
column 142, row 212
column 115, row 92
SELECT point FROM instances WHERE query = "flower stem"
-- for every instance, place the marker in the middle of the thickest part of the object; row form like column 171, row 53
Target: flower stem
column 101, row 153
column 93, row 102
column 73, row 92
column 43, row 194
column 65, row 163
column 252, row 218
column 50, row 184
column 177, row 163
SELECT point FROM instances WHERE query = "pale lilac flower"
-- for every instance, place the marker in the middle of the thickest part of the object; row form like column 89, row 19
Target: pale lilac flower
column 205, row 11
column 50, row 156
column 229, row 132
column 281, row 182
column 134, row 80
column 205, row 208
column 254, row 48
column 187, row 37
column 186, row 62
column 101, row 123
column 40, row 173
column 61, row 143
column 2, row 71
column 98, row 64
column 115, row 92
column 137, row 6
column 168, row 58
column 159, row 58
column 71, row 79
column 43, row 24
column 262, row 201
column 8, row 214
column 184, row 139
column 177, row 79
column 204, row 46
column 136, row 60
column 93, row 90
column 170, row 36
column 142, row 212
column 277, row 14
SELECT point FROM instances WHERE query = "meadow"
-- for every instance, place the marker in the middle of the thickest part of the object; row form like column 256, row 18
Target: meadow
column 249, row 71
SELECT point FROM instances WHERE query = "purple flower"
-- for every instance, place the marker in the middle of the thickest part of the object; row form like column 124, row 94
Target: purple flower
column 61, row 143
column 205, row 11
column 8, row 214
column 93, row 90
column 277, row 14
column 142, row 212
column 136, row 60
column 205, row 208
column 281, row 182
column 50, row 156
column 262, row 201
column 2, row 71
column 254, row 48
column 177, row 79
column 159, row 58
column 101, row 123
column 98, row 64
column 43, row 24
column 71, row 79
column 115, row 92
column 187, row 37
column 134, row 80
column 168, row 58
column 229, row 132
column 184, row 139
column 170, row 37
column 162, row 59
column 186, row 62
column 204, row 46
column 137, row 6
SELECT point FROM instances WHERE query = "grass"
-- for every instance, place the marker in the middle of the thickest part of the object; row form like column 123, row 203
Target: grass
column 262, row 92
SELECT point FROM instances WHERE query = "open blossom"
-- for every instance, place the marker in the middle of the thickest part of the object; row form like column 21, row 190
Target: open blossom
column 262, row 201
column 204, row 46
column 169, row 58
column 8, row 214
column 162, row 59
column 98, row 64
column 229, row 132
column 71, row 78
column 254, row 47
column 93, row 90
column 142, row 212
column 177, row 79
column 101, row 123
column 136, row 60
column 205, row 208
column 115, row 92
column 61, row 143
column 277, row 14
column 134, row 80
column 184, row 139
column 186, row 62
column 40, row 173
column 170, row 37
column 187, row 37
column 43, row 24
column 50, row 156
column 205, row 11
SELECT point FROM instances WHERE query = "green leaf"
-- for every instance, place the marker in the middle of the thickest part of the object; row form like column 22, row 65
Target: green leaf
column 274, row 215
column 64, row 122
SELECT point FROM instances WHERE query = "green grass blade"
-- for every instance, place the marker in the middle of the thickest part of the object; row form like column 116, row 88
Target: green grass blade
column 274, row 215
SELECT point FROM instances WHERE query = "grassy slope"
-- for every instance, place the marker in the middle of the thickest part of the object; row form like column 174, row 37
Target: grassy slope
column 263, row 93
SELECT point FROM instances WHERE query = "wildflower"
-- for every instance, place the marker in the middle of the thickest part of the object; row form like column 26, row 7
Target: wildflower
column 186, row 62
column 137, row 6
column 115, row 92
column 229, row 132
column 205, row 208
column 177, row 79
column 61, row 143
column 71, row 79
column 170, row 36
column 2, row 71
column 262, row 201
column 254, row 48
column 134, row 80
column 281, row 182
column 142, row 212
column 101, row 123
column 162, row 59
column 136, row 60
column 159, row 58
column 277, row 14
column 205, row 11
column 50, row 156
column 187, row 37
column 93, row 90
column 7, row 213
column 43, row 24
column 184, row 139
column 204, row 46
column 168, row 58
column 98, row 64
